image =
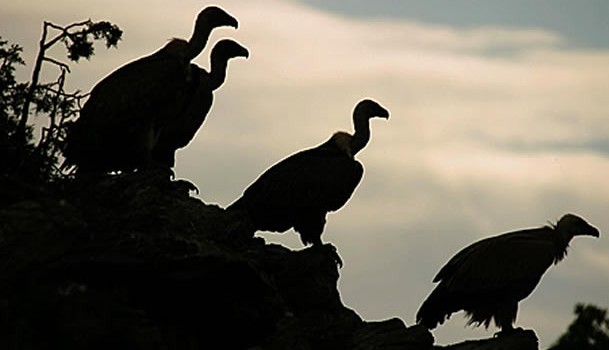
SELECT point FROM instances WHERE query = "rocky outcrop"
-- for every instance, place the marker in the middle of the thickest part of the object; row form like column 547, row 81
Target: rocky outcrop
column 133, row 261
column 519, row 339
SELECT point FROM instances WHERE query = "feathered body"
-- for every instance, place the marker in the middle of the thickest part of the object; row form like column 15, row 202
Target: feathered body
column 488, row 278
column 121, row 121
column 300, row 190
column 197, row 102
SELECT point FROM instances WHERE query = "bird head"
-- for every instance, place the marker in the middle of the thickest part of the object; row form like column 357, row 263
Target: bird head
column 370, row 109
column 571, row 225
column 214, row 16
column 227, row 48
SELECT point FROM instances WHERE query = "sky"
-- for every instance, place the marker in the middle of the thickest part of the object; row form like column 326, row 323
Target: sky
column 499, row 121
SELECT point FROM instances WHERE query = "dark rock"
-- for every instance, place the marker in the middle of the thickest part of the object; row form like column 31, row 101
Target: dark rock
column 519, row 339
column 133, row 262
column 391, row 334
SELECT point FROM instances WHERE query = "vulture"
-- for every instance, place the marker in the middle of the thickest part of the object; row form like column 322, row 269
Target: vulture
column 301, row 189
column 120, row 122
column 488, row 278
column 201, row 87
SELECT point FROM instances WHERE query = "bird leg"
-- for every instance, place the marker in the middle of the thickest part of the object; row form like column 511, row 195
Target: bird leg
column 505, row 316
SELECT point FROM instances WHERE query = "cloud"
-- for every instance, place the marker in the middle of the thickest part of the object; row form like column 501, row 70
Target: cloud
column 491, row 130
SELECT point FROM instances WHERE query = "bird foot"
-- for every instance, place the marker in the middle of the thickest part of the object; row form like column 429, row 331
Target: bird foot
column 185, row 185
column 165, row 177
column 507, row 332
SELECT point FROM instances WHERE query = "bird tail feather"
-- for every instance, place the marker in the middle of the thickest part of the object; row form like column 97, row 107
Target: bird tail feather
column 435, row 309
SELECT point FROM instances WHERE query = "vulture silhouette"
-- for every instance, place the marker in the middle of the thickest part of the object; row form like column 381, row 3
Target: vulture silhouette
column 199, row 98
column 121, row 121
column 488, row 278
column 300, row 190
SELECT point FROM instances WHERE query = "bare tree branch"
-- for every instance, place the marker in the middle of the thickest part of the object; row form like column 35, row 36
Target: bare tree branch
column 56, row 62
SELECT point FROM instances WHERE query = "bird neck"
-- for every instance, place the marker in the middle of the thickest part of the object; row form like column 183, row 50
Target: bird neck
column 340, row 141
column 199, row 38
column 561, row 243
column 217, row 72
column 361, row 135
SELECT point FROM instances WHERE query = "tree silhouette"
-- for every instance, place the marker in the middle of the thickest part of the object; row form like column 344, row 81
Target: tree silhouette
column 589, row 330
column 24, row 158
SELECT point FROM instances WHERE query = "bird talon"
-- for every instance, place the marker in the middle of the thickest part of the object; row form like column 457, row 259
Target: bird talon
column 185, row 184
column 507, row 332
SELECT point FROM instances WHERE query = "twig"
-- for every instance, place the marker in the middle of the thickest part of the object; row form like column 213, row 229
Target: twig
column 60, row 64
column 64, row 31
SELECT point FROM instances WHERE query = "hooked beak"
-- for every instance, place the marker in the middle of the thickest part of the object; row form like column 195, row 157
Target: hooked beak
column 233, row 23
column 594, row 232
column 383, row 113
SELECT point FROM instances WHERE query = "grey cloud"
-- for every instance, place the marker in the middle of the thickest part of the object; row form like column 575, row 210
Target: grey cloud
column 584, row 24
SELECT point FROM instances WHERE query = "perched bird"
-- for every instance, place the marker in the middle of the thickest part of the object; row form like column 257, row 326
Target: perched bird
column 300, row 190
column 121, row 121
column 198, row 101
column 488, row 278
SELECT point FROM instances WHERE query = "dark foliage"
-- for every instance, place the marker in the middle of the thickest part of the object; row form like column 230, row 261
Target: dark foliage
column 589, row 330
column 12, row 97
column 80, row 43
column 29, row 161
